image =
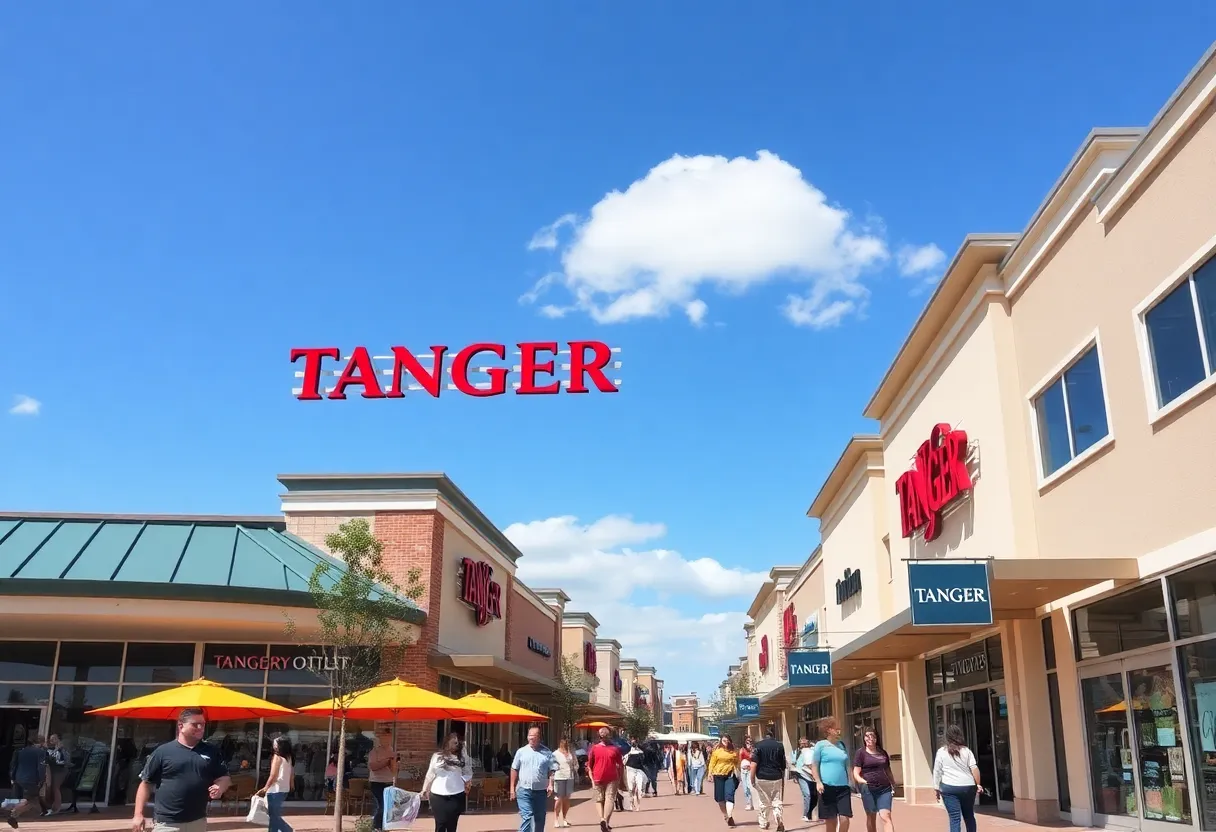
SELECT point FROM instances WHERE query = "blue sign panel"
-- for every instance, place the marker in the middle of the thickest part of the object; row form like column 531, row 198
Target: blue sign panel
column 714, row 731
column 949, row 593
column 809, row 668
column 747, row 706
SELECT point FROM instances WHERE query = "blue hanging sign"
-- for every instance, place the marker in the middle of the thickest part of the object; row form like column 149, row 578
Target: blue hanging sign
column 747, row 706
column 714, row 730
column 809, row 668
column 950, row 593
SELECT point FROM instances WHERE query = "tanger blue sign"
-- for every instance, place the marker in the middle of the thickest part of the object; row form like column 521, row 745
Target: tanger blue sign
column 949, row 593
column 810, row 668
column 747, row 706
column 714, row 731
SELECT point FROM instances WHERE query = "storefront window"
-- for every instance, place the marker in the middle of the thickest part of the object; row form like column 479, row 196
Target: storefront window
column 1193, row 594
column 85, row 739
column 1110, row 745
column 811, row 714
column 236, row 664
column 1057, row 736
column 159, row 664
column 1163, row 786
column 967, row 666
column 137, row 738
column 863, row 712
column 935, row 681
column 1122, row 622
column 1198, row 666
column 996, row 659
column 85, row 661
column 26, row 661
column 18, row 694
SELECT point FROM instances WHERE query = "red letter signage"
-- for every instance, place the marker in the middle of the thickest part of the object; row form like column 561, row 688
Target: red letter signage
column 617, row 684
column 789, row 627
column 763, row 653
column 480, row 591
column 590, row 662
column 938, row 477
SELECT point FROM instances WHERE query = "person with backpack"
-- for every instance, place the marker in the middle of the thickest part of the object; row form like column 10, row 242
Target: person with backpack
column 29, row 774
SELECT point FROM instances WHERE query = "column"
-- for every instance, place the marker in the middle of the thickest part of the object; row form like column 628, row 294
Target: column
column 915, row 734
column 1031, row 748
column 1072, row 720
column 892, row 737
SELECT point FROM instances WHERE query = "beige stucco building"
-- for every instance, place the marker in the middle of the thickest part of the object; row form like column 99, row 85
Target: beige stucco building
column 1071, row 367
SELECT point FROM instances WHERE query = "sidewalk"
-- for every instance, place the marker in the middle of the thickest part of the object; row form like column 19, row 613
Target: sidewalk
column 682, row 813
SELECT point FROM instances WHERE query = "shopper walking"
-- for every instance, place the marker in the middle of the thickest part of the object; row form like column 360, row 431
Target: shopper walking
column 830, row 767
column 957, row 779
column 279, row 782
column 449, row 777
column 696, row 769
column 768, row 779
column 563, row 782
column 872, row 772
column 805, row 778
column 381, row 773
column 606, row 768
column 532, row 772
column 29, row 774
column 635, row 760
column 681, row 763
column 57, row 762
column 745, row 768
column 724, row 768
column 187, row 774
column 652, row 759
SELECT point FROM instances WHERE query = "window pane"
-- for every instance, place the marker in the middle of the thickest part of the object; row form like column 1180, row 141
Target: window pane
column 1086, row 407
column 937, row 682
column 1163, row 787
column 1049, row 643
column 235, row 664
column 1110, row 745
column 1174, row 341
column 996, row 659
column 1198, row 666
column 81, row 661
column 1053, row 427
column 26, row 661
column 137, row 738
column 1205, row 288
column 1121, row 622
column 1194, row 598
column 85, row 739
column 1057, row 736
column 15, row 693
column 159, row 664
column 309, row 743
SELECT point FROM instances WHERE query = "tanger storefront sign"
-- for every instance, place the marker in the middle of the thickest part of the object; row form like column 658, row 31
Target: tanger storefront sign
column 317, row 664
column 537, row 369
column 810, row 669
column 480, row 591
column 950, row 593
column 591, row 662
column 938, row 477
column 538, row 648
column 763, row 661
column 789, row 626
column 848, row 586
column 747, row 706
column 617, row 684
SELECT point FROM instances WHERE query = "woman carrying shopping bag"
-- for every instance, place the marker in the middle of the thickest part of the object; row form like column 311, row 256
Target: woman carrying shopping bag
column 448, row 780
column 278, row 783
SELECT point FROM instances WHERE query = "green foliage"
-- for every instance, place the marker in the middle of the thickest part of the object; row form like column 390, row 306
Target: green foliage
column 572, row 696
column 722, row 704
column 639, row 722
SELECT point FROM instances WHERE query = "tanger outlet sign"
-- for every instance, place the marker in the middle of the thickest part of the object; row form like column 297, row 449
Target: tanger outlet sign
column 539, row 368
column 317, row 664
column 938, row 477
column 480, row 591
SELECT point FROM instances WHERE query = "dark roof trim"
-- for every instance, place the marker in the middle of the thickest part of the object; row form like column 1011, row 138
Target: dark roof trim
column 254, row 521
column 437, row 482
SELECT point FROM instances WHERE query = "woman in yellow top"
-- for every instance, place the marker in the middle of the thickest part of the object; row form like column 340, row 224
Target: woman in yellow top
column 724, row 768
column 681, row 761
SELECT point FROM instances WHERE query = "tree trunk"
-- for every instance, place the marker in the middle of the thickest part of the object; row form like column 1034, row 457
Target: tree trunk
column 341, row 775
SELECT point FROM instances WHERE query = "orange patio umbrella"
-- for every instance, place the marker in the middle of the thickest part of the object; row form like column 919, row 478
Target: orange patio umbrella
column 216, row 701
column 495, row 710
column 395, row 700
column 594, row 724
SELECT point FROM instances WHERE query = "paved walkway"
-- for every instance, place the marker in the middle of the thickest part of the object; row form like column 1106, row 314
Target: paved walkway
column 683, row 813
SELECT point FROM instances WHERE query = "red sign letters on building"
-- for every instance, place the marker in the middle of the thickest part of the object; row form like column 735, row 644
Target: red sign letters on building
column 536, row 360
column 938, row 477
column 480, row 591
column 590, row 661
column 763, row 653
column 789, row 626
column 617, row 684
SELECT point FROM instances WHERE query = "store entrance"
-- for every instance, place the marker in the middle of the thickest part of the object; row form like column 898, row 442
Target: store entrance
column 983, row 714
column 17, row 725
column 1139, row 763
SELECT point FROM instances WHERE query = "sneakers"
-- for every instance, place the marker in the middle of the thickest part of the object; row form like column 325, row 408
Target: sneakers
column 12, row 821
column 730, row 822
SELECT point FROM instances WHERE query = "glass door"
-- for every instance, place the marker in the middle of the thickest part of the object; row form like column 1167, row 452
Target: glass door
column 1138, row 762
column 1000, row 748
column 19, row 724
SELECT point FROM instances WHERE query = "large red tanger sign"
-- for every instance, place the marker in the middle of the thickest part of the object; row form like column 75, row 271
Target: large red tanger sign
column 938, row 477
column 480, row 591
column 390, row 376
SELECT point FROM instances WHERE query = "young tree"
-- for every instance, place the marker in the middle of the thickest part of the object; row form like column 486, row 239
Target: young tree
column 722, row 704
column 362, row 614
column 639, row 722
column 572, row 695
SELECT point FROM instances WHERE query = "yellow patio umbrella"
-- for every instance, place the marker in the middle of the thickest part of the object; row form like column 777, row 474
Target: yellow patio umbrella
column 594, row 724
column 216, row 701
column 495, row 710
column 395, row 700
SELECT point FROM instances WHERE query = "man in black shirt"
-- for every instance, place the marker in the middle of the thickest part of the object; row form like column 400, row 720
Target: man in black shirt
column 768, row 779
column 187, row 774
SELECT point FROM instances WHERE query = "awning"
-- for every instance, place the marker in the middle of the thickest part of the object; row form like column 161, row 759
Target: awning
column 784, row 696
column 495, row 672
column 1018, row 588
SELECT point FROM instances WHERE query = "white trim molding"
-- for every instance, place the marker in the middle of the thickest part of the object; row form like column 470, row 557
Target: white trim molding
column 1148, row 372
column 1092, row 340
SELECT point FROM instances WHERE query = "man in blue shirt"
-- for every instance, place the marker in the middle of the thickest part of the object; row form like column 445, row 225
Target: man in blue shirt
column 532, row 782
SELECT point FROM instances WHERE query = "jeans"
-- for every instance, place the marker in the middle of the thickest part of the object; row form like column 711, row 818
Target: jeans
column 652, row 780
column 747, row 790
column 274, row 808
column 809, row 795
column 532, row 805
column 960, row 806
column 378, row 803
column 698, row 779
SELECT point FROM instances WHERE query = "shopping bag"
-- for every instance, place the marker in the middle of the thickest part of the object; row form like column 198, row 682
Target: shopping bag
column 259, row 811
column 401, row 808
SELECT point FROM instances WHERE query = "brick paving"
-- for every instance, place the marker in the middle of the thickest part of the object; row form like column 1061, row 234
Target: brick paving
column 683, row 813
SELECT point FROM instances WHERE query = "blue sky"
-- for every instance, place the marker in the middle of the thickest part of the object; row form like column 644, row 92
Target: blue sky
column 189, row 193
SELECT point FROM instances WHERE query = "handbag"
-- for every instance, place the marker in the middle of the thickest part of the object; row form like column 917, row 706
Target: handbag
column 259, row 811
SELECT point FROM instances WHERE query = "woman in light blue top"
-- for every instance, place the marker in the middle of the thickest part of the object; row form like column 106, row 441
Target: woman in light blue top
column 830, row 767
column 804, row 778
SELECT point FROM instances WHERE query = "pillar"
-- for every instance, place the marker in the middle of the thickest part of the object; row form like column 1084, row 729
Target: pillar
column 892, row 736
column 915, row 734
column 1072, row 721
column 1031, row 748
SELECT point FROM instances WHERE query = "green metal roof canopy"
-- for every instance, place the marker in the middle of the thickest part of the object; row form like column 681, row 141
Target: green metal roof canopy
column 244, row 560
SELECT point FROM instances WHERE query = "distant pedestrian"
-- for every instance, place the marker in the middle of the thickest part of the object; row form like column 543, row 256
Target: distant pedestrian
column 279, row 782
column 563, row 782
column 696, row 769
column 57, row 761
column 805, row 778
column 532, row 782
column 745, row 766
column 29, row 774
column 187, row 774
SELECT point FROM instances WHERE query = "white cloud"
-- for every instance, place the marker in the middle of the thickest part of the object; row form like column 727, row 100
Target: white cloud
column 695, row 310
column 25, row 406
column 708, row 220
column 603, row 564
column 916, row 260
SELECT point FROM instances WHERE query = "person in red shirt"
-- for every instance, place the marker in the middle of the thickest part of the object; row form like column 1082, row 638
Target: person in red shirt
column 607, row 768
column 745, row 765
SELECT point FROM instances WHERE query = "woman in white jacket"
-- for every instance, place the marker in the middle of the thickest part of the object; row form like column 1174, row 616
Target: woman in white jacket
column 957, row 779
column 448, row 780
